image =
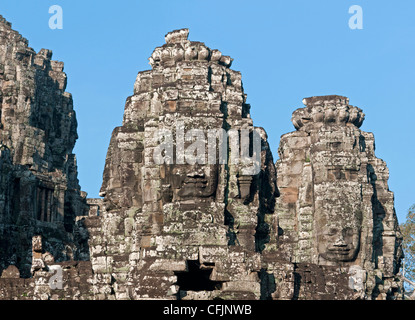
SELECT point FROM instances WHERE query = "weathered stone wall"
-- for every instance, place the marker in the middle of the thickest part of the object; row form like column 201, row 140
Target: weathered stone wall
column 39, row 189
column 74, row 283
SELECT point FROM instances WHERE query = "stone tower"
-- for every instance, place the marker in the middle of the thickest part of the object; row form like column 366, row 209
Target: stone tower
column 192, row 225
column 335, row 207
column 39, row 189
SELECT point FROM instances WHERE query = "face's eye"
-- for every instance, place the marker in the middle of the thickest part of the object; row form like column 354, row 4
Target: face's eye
column 348, row 232
column 332, row 231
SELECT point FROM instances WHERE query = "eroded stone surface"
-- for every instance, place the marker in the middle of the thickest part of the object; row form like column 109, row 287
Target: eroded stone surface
column 187, row 228
column 162, row 221
column 39, row 189
column 335, row 207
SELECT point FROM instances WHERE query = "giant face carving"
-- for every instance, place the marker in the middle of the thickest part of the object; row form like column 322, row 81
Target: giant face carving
column 192, row 182
column 339, row 240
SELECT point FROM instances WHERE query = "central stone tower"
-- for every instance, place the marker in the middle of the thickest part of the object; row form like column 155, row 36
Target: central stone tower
column 192, row 225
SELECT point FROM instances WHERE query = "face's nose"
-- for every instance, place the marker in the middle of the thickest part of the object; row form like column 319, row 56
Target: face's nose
column 340, row 242
column 196, row 173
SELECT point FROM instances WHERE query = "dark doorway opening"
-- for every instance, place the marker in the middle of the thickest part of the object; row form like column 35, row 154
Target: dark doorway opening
column 197, row 277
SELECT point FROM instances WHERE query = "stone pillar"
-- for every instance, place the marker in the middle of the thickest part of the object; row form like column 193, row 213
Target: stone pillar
column 37, row 260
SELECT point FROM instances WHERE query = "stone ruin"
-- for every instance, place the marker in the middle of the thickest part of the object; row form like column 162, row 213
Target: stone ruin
column 190, row 207
column 39, row 189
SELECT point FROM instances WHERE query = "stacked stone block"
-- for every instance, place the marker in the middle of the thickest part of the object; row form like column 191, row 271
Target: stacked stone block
column 40, row 192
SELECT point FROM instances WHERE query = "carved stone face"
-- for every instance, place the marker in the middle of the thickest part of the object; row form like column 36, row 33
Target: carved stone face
column 339, row 244
column 339, row 241
column 192, row 181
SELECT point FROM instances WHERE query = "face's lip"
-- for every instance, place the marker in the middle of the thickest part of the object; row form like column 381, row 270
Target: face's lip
column 343, row 251
column 195, row 180
column 339, row 248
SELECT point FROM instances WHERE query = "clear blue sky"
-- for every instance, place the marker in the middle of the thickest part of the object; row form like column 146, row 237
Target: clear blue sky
column 286, row 50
